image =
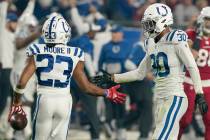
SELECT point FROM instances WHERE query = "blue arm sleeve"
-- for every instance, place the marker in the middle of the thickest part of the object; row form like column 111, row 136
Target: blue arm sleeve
column 137, row 54
column 88, row 48
column 73, row 42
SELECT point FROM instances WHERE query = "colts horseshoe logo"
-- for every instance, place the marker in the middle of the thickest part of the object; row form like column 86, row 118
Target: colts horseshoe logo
column 66, row 30
column 162, row 10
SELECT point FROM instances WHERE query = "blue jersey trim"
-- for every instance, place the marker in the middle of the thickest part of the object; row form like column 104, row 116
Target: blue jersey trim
column 168, row 36
column 75, row 52
column 172, row 35
column 81, row 52
column 32, row 50
column 37, row 48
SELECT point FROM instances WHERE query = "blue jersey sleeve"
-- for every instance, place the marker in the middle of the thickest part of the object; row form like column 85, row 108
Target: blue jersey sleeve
column 73, row 43
column 88, row 48
column 137, row 54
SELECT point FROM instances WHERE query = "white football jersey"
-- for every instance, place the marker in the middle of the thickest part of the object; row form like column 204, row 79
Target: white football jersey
column 168, row 59
column 54, row 66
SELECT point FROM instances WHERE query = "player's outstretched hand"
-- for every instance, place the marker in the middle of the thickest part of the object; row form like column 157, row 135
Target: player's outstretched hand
column 16, row 109
column 115, row 96
column 203, row 106
column 100, row 80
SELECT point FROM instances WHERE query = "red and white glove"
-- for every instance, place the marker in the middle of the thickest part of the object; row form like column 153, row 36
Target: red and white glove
column 115, row 96
column 15, row 109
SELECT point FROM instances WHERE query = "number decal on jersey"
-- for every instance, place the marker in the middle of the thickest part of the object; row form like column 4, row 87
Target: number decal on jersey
column 182, row 37
column 48, row 68
column 68, row 60
column 203, row 58
column 160, row 64
column 50, row 63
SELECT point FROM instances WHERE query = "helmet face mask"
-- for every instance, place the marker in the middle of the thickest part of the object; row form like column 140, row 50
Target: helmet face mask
column 149, row 27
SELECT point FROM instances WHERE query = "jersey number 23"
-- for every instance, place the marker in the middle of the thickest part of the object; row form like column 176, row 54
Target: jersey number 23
column 51, row 61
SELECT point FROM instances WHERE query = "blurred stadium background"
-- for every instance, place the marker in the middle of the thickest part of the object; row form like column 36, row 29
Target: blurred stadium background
column 112, row 17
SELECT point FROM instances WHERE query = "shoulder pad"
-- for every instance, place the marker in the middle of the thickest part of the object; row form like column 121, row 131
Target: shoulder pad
column 33, row 49
column 177, row 36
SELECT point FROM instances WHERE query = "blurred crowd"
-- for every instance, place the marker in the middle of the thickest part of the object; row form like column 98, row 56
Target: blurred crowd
column 123, row 11
column 109, row 33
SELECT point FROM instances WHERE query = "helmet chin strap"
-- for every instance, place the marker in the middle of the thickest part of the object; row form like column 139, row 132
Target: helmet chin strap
column 161, row 34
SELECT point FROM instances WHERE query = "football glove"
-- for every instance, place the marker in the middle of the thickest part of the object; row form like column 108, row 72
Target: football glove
column 103, row 80
column 15, row 109
column 115, row 96
column 201, row 102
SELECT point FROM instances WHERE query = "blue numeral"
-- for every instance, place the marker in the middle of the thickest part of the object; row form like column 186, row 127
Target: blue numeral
column 182, row 37
column 166, row 70
column 158, row 68
column 68, row 60
column 59, row 59
column 154, row 64
column 50, row 58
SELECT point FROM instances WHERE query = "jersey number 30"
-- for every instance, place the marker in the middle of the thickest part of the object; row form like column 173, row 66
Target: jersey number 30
column 58, row 59
column 159, row 64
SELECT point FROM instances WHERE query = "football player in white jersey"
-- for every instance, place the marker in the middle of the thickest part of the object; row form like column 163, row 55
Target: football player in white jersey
column 54, row 64
column 167, row 52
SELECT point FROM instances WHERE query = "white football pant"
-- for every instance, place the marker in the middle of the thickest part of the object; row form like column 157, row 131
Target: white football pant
column 168, row 113
column 52, row 116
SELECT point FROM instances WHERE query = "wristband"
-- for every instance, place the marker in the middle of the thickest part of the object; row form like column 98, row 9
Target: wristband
column 106, row 93
column 20, row 91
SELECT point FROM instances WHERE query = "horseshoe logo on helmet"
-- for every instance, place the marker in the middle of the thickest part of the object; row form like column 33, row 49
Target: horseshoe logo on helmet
column 64, row 28
column 162, row 10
